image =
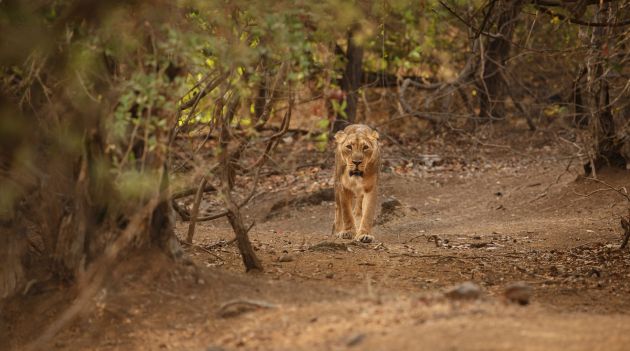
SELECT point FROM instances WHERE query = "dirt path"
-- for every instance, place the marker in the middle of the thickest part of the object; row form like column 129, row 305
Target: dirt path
column 525, row 220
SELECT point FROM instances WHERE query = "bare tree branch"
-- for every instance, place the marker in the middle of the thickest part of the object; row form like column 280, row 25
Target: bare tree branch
column 580, row 22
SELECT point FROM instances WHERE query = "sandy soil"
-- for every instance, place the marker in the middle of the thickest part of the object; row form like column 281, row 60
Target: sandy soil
column 499, row 216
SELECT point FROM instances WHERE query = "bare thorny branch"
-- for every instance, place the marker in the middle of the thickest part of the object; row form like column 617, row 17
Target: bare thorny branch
column 229, row 155
column 623, row 191
column 250, row 260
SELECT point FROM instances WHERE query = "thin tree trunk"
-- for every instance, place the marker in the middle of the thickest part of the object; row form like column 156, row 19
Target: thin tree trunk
column 162, row 226
column 491, row 85
column 245, row 248
column 350, row 83
column 251, row 262
column 580, row 117
column 195, row 211
column 12, row 245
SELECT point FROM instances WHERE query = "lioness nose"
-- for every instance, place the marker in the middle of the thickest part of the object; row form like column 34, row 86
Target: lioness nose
column 356, row 163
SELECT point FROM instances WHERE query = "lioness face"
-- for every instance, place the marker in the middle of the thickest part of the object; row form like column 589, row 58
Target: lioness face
column 357, row 150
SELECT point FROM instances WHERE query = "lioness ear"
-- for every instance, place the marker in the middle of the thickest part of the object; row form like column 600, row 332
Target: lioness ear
column 340, row 137
column 374, row 135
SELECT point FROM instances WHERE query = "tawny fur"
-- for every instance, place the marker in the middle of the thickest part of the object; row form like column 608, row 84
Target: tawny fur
column 357, row 152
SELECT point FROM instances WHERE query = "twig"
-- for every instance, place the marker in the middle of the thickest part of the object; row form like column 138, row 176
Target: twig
column 610, row 187
column 414, row 238
column 477, row 30
column 195, row 210
column 192, row 191
column 538, row 197
column 202, row 249
column 566, row 170
column 220, row 244
column 204, row 91
column 212, row 217
column 265, row 156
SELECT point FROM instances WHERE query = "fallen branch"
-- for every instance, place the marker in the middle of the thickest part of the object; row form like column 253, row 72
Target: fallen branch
column 236, row 307
column 221, row 243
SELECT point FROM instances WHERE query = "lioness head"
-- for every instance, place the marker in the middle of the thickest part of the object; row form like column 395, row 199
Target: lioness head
column 358, row 147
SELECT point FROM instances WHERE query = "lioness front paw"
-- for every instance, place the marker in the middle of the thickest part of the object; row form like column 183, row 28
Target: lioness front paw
column 346, row 234
column 364, row 238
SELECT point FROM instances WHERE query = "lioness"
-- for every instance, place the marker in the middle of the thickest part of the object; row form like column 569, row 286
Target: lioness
column 357, row 164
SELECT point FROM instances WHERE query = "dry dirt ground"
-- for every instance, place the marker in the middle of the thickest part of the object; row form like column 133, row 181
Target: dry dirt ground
column 492, row 214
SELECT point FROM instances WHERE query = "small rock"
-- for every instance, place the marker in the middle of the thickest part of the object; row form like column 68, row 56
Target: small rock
column 595, row 272
column 467, row 290
column 330, row 275
column 519, row 292
column 201, row 281
column 286, row 258
column 355, row 340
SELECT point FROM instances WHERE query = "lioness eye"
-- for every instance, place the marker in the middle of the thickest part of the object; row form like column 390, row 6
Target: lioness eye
column 349, row 147
column 365, row 147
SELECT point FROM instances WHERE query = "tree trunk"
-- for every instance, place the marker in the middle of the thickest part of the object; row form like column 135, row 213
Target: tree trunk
column 162, row 228
column 227, row 160
column 14, row 182
column 491, row 85
column 350, row 83
column 12, row 245
column 250, row 261
column 580, row 117
column 607, row 146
